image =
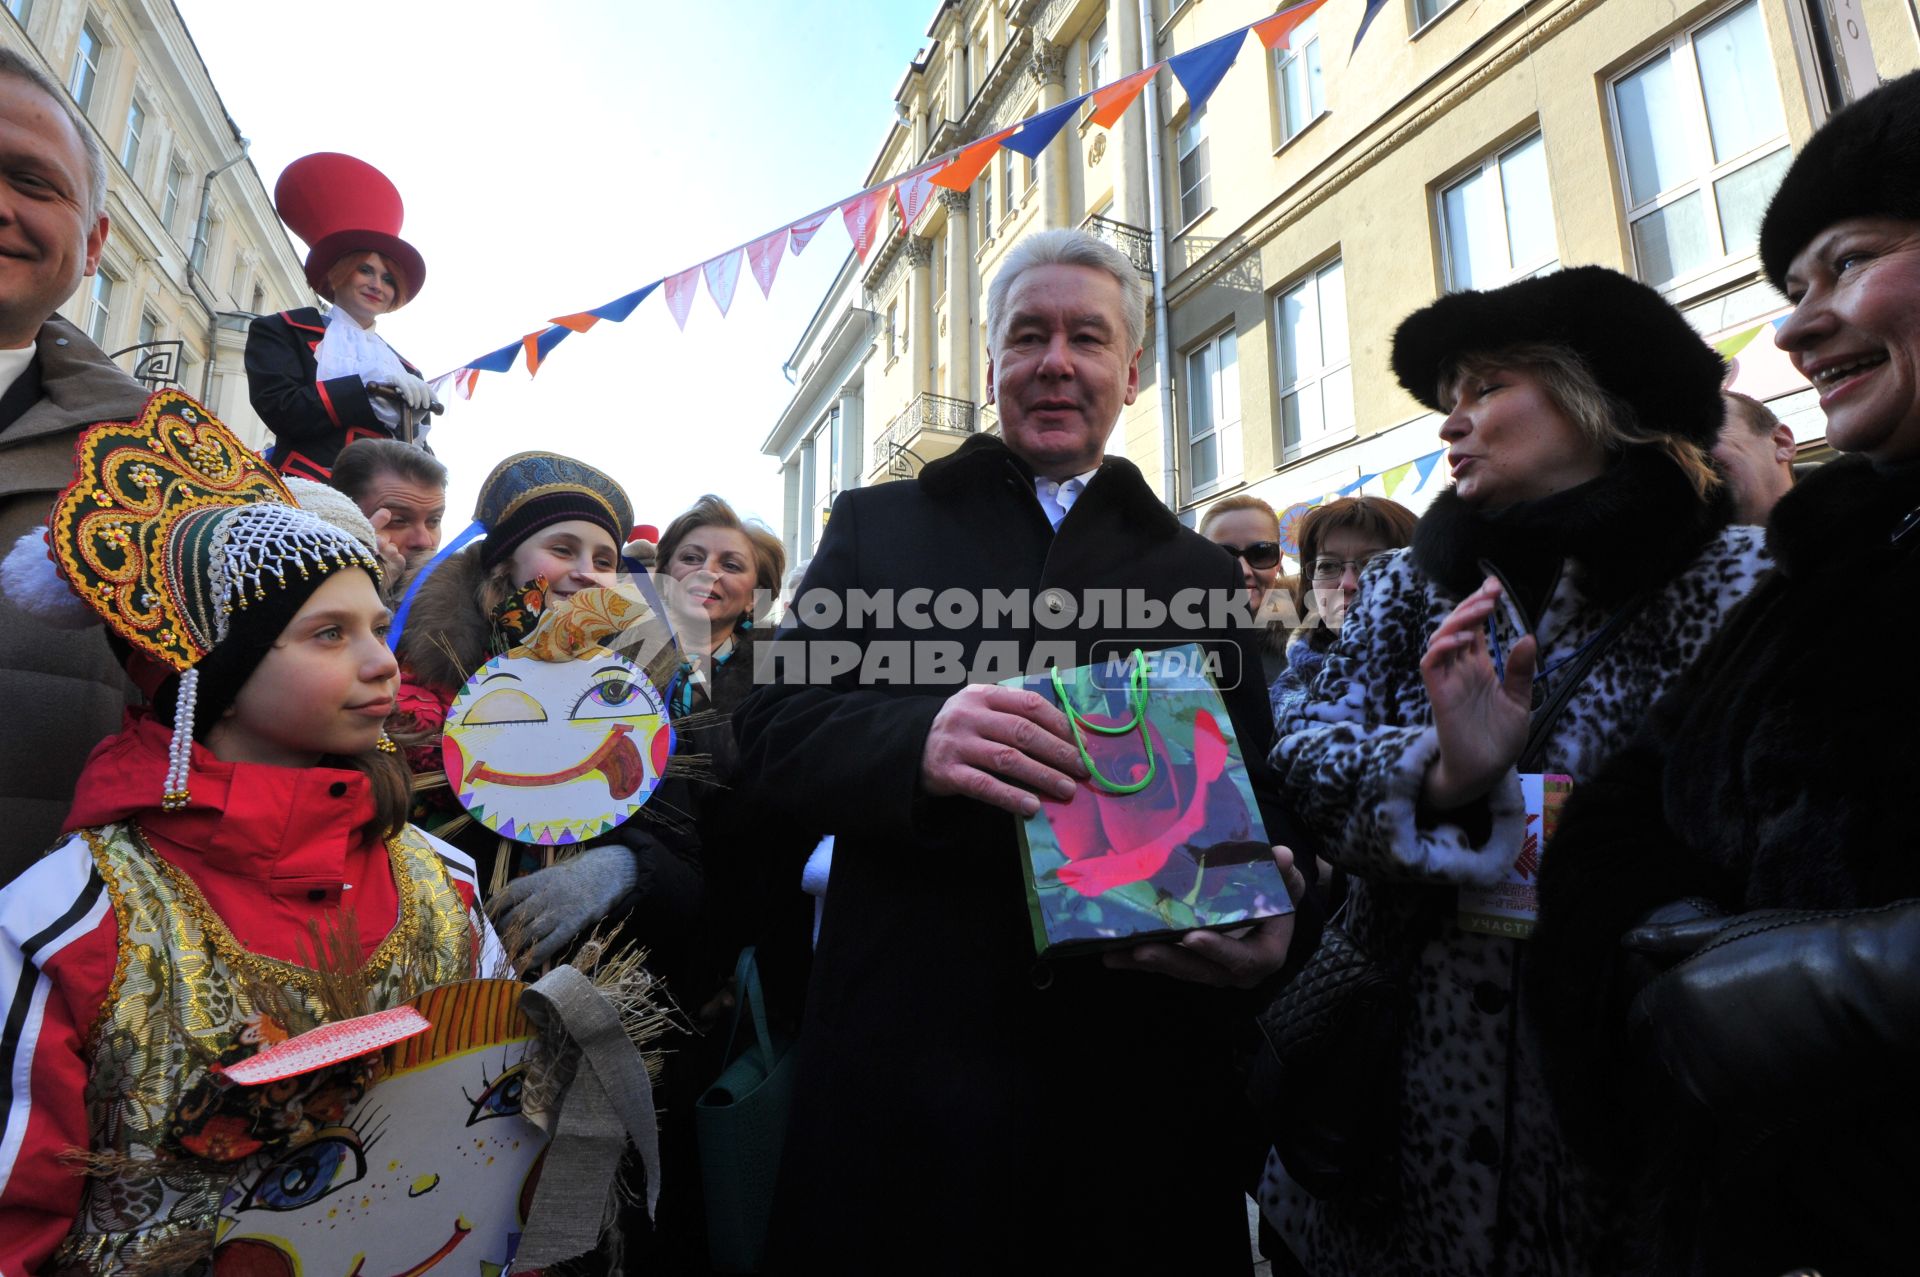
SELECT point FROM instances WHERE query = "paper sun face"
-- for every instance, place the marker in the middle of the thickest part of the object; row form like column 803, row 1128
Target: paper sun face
column 556, row 752
column 433, row 1170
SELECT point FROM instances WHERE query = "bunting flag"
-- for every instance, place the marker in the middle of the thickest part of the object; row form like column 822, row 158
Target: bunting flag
column 539, row 345
column 1731, row 346
column 969, row 161
column 763, row 259
column 865, row 215
column 1273, row 32
column 913, row 192
column 801, row 233
column 680, row 294
column 1392, row 479
column 1199, row 71
column 723, row 276
column 1032, row 137
column 1201, row 68
column 1424, row 467
column 1111, row 101
column 1366, row 20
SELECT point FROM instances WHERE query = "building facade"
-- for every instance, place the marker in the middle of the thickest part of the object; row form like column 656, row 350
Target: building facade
column 1324, row 191
column 195, row 250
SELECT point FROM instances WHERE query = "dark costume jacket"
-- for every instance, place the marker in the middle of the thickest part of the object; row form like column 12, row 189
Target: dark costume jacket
column 956, row 1096
column 1760, row 1092
column 69, row 385
column 311, row 419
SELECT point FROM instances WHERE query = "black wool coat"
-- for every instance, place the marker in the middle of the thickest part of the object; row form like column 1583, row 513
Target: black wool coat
column 1777, row 774
column 961, row 1105
column 311, row 420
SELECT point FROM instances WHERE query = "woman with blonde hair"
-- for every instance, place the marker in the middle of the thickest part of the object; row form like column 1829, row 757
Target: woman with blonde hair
column 1338, row 541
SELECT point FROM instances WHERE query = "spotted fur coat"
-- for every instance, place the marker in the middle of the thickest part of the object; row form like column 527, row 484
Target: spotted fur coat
column 1479, row 1182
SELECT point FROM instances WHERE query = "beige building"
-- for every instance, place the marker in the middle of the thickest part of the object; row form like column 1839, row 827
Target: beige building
column 195, row 249
column 1318, row 197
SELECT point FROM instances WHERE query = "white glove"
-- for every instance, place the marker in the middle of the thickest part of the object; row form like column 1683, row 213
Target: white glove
column 545, row 911
column 414, row 391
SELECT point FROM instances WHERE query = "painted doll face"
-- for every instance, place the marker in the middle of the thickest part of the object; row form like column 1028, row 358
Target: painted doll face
column 556, row 752
column 433, row 1169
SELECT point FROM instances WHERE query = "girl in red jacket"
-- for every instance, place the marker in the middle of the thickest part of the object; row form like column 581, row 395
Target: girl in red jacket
column 238, row 867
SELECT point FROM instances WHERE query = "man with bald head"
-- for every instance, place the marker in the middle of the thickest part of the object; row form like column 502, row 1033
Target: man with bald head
column 62, row 690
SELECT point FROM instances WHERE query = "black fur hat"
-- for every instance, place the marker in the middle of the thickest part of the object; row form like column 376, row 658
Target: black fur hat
column 1639, row 348
column 1864, row 162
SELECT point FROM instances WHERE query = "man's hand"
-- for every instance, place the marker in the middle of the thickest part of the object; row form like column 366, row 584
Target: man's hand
column 987, row 741
column 392, row 557
column 1216, row 958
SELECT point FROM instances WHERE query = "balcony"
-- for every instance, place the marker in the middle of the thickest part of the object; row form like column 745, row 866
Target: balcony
column 1131, row 240
column 931, row 427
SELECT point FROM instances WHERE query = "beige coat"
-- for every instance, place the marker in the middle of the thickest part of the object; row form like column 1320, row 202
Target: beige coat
column 61, row 691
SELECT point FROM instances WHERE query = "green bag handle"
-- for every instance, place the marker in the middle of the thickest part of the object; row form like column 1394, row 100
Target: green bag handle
column 746, row 979
column 1137, row 703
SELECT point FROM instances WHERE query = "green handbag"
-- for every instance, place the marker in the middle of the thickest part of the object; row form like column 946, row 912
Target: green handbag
column 741, row 1126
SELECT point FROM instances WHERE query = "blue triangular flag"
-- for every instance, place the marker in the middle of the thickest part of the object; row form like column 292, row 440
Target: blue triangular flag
column 1366, row 20
column 1200, row 69
column 1033, row 136
column 621, row 307
column 499, row 361
column 1424, row 467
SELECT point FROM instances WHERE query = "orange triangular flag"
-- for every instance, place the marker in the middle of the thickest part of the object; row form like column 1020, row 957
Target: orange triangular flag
column 1111, row 101
column 967, row 165
column 1273, row 32
column 578, row 322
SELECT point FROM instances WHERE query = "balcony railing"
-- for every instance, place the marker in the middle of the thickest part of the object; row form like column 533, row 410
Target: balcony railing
column 155, row 363
column 926, row 412
column 1131, row 240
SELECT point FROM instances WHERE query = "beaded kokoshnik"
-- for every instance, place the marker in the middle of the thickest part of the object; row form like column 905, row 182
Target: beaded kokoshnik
column 171, row 525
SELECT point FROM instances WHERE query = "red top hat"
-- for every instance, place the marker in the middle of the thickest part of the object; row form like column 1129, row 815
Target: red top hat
column 340, row 205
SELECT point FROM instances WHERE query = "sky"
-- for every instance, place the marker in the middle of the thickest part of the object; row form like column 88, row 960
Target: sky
column 554, row 156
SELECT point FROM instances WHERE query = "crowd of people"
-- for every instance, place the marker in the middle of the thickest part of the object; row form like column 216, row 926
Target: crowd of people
column 1556, row 762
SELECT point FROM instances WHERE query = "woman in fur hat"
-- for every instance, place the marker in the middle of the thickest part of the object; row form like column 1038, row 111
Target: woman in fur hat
column 239, row 866
column 1752, row 1072
column 321, row 382
column 1575, row 567
column 553, row 527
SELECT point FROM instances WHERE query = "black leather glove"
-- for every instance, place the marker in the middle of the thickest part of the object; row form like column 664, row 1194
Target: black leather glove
column 1783, row 1013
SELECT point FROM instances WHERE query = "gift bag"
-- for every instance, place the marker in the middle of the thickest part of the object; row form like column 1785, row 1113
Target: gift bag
column 740, row 1123
column 1164, row 836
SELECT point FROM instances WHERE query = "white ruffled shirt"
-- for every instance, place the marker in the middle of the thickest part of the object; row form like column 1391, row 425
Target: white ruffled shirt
column 348, row 350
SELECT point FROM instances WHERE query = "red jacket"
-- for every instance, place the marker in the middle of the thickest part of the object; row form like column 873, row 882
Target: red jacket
column 269, row 847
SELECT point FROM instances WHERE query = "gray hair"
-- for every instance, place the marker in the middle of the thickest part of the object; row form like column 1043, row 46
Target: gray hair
column 1063, row 247
column 14, row 64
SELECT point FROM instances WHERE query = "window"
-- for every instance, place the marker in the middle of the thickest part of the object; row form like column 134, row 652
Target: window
column 1213, row 412
column 149, row 328
column 237, row 285
column 21, row 10
column 1190, row 145
column 259, row 306
column 1299, row 87
column 823, row 455
column 1425, row 11
column 906, row 313
column 1496, row 223
column 86, row 66
column 1316, row 381
column 985, row 187
column 893, row 331
column 1028, row 172
column 1703, row 143
column 938, row 253
column 170, row 198
column 136, row 122
column 1099, row 57
column 100, row 306
column 1006, row 183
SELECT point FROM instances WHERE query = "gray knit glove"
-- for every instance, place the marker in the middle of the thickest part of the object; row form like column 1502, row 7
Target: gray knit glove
column 548, row 909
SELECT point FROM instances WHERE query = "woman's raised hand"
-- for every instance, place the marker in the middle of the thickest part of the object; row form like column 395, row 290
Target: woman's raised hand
column 1481, row 718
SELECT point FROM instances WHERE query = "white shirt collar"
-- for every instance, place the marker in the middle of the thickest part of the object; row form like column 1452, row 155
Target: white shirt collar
column 13, row 363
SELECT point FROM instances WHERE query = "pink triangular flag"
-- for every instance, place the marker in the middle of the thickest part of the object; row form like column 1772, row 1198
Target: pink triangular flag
column 680, row 294
column 723, row 275
column 865, row 214
column 801, row 233
column 912, row 192
column 763, row 259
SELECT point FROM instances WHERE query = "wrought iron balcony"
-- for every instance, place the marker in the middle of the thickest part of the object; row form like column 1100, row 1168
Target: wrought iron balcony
column 1131, row 240
column 155, row 363
column 927, row 412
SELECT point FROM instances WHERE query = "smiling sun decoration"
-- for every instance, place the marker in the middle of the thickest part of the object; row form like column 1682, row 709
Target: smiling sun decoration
column 561, row 739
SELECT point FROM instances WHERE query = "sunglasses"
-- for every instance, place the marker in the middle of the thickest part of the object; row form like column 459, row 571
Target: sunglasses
column 1261, row 554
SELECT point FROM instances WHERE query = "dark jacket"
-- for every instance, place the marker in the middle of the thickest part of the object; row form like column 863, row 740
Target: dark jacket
column 311, row 420
column 1773, row 777
column 957, row 1100
column 63, row 689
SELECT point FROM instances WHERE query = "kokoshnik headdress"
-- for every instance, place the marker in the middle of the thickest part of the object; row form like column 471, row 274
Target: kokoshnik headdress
column 170, row 531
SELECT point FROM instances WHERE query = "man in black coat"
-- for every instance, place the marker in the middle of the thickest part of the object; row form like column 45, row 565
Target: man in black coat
column 962, row 1106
